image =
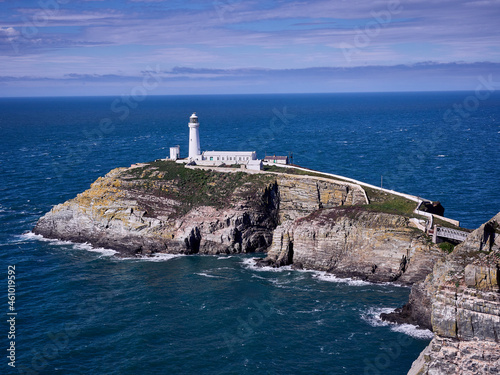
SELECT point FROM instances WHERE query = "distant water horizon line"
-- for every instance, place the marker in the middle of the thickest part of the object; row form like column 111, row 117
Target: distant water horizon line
column 245, row 94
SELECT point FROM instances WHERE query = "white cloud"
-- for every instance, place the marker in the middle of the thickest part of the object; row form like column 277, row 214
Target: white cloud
column 84, row 38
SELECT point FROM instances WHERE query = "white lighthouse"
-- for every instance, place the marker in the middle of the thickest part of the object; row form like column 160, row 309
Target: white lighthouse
column 194, row 137
column 244, row 159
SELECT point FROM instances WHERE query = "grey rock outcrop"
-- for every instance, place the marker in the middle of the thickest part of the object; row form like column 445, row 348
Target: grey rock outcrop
column 352, row 242
column 301, row 196
column 462, row 302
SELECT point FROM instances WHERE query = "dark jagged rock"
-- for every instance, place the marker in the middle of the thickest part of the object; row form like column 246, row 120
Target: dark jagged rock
column 417, row 311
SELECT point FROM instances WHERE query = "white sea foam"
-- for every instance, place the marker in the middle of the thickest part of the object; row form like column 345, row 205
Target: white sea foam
column 89, row 247
column 258, row 277
column 279, row 282
column 413, row 331
column 30, row 236
column 224, row 257
column 160, row 257
column 372, row 317
column 208, row 275
column 23, row 238
column 223, row 268
column 325, row 276
column 250, row 263
column 309, row 311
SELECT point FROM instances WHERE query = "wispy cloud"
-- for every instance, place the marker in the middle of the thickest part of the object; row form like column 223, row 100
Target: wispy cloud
column 96, row 38
column 426, row 76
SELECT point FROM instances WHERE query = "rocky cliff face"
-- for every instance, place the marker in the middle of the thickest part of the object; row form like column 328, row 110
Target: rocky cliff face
column 165, row 207
column 301, row 196
column 460, row 299
column 351, row 242
column 145, row 210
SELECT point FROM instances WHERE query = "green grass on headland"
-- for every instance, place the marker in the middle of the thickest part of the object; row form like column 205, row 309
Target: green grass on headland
column 446, row 224
column 394, row 205
column 196, row 187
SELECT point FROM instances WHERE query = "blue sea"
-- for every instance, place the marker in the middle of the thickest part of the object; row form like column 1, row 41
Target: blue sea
column 85, row 311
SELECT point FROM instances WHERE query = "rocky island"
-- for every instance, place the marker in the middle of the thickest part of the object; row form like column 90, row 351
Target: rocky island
column 298, row 218
column 308, row 220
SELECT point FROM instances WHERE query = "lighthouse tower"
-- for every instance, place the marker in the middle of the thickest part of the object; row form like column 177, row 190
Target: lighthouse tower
column 194, row 137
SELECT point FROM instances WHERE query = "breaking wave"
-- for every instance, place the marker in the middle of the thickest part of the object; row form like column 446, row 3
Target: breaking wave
column 30, row 236
column 372, row 317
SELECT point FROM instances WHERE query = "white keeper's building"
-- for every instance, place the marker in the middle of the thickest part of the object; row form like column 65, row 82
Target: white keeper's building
column 214, row 158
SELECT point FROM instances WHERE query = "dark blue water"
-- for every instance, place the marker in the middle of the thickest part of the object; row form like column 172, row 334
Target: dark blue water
column 84, row 312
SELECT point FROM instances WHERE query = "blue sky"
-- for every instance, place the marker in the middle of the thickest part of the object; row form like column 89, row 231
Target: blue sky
column 90, row 47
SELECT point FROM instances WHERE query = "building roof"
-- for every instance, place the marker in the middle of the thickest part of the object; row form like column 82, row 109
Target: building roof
column 275, row 157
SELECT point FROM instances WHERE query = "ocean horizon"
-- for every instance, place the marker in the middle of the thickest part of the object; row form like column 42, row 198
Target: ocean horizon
column 113, row 96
